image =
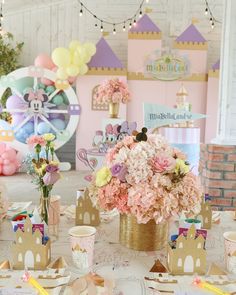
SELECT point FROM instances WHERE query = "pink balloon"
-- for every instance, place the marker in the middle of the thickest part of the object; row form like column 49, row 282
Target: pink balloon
column 72, row 80
column 9, row 155
column 1, row 161
column 43, row 60
column 47, row 82
column 2, row 147
column 9, row 169
column 6, row 162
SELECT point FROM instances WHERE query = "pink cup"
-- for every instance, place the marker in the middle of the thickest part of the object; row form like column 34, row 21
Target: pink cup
column 82, row 245
column 230, row 251
column 54, row 210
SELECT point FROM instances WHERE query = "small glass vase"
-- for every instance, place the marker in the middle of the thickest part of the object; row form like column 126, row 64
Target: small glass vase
column 114, row 109
column 44, row 204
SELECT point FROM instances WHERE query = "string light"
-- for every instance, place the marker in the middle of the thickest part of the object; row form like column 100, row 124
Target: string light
column 96, row 24
column 130, row 20
column 212, row 19
column 124, row 27
column 114, row 29
column 81, row 9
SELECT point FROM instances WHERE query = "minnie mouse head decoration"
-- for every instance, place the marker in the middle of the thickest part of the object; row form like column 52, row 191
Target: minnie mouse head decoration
column 142, row 136
column 36, row 100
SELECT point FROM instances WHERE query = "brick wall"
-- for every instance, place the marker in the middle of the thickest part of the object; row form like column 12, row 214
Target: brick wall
column 218, row 174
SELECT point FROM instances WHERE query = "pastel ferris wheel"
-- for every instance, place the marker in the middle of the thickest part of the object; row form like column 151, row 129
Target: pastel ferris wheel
column 38, row 109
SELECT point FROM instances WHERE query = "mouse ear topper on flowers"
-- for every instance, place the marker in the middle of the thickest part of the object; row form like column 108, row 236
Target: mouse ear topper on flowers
column 147, row 178
column 43, row 168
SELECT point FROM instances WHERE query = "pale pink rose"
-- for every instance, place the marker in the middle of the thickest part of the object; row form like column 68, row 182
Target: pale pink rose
column 162, row 163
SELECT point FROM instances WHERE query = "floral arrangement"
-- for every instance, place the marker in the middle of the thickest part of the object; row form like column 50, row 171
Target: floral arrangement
column 113, row 91
column 146, row 177
column 44, row 170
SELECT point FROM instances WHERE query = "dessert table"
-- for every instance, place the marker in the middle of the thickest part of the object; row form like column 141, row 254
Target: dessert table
column 111, row 260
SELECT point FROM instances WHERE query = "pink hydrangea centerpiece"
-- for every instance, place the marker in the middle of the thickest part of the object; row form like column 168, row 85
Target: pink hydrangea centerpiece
column 113, row 90
column 148, row 179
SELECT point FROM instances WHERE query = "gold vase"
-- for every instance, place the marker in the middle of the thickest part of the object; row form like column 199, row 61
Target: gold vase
column 142, row 237
column 114, row 109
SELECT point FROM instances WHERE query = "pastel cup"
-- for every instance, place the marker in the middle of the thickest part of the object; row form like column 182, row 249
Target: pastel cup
column 82, row 240
column 230, row 251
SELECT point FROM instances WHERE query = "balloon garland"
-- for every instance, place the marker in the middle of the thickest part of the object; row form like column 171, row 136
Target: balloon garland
column 72, row 61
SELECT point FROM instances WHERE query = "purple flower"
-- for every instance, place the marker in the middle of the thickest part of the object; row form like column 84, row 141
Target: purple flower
column 52, row 168
column 50, row 178
column 119, row 171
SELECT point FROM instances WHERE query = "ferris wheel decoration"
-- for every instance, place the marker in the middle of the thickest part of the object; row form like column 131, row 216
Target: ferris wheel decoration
column 39, row 109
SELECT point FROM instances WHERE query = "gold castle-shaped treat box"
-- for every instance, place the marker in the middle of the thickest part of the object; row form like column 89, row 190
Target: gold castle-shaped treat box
column 189, row 255
column 28, row 251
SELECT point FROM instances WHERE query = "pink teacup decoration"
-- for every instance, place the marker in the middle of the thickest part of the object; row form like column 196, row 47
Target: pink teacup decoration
column 230, row 251
column 82, row 245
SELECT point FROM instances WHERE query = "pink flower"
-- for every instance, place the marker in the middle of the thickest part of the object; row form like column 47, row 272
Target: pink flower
column 114, row 90
column 34, row 140
column 162, row 163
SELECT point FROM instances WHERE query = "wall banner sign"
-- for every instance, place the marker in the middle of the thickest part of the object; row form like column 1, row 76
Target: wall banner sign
column 167, row 67
column 156, row 115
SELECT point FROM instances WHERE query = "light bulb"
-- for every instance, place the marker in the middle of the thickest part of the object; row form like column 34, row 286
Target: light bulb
column 147, row 1
column 81, row 12
column 206, row 11
column 124, row 27
column 212, row 25
column 140, row 13
column 114, row 29
column 134, row 24
column 130, row 25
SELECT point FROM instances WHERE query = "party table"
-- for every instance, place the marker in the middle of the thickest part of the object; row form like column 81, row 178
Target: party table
column 127, row 267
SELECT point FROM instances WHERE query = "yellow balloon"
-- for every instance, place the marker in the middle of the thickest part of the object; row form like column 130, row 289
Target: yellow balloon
column 90, row 48
column 82, row 52
column 61, row 57
column 87, row 58
column 72, row 70
column 83, row 69
column 62, row 74
column 77, row 60
column 74, row 44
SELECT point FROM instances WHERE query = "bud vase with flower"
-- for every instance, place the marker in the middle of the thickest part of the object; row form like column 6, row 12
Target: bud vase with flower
column 43, row 169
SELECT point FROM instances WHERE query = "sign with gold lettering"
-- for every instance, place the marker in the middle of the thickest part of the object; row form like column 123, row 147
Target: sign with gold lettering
column 166, row 67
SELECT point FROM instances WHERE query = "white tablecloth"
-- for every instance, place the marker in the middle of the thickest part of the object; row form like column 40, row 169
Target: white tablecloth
column 112, row 260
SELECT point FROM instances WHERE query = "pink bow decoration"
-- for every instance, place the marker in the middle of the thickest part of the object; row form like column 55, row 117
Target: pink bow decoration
column 36, row 95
